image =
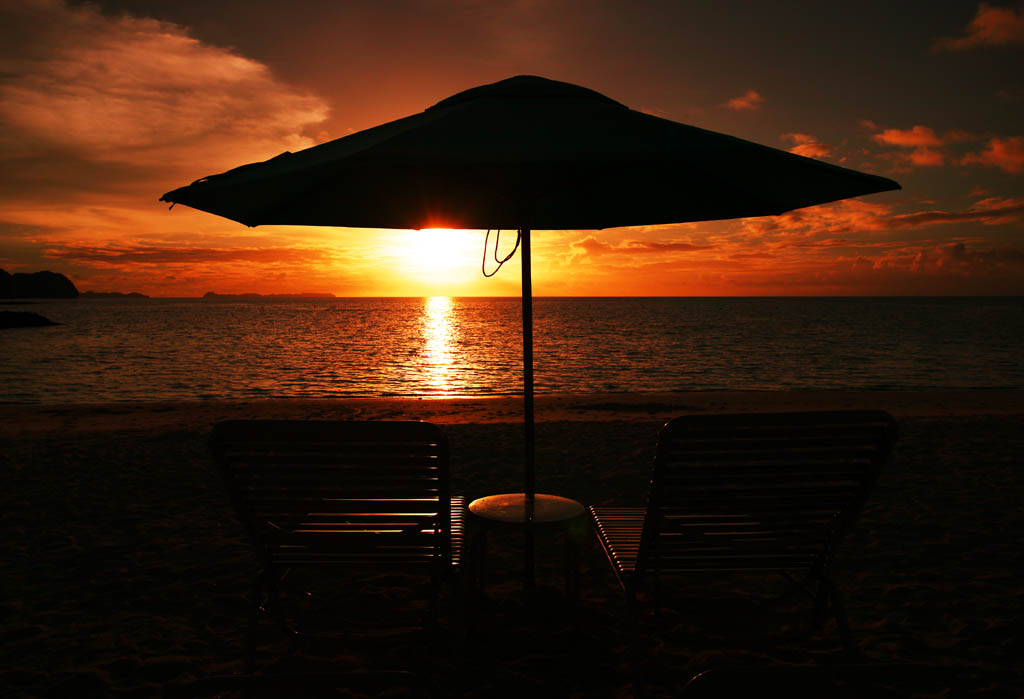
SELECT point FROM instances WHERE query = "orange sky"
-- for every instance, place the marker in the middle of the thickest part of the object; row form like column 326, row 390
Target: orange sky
column 105, row 107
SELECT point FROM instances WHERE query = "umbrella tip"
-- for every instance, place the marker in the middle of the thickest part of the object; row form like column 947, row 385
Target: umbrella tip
column 520, row 86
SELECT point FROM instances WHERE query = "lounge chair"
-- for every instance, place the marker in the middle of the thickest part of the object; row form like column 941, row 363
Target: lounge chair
column 340, row 495
column 755, row 493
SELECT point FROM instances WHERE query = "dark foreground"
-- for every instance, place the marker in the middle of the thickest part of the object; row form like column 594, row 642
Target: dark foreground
column 125, row 573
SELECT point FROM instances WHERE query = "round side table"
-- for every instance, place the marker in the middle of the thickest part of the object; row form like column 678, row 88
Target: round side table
column 551, row 513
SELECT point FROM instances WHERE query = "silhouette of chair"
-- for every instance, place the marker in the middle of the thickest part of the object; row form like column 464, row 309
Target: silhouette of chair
column 339, row 495
column 752, row 493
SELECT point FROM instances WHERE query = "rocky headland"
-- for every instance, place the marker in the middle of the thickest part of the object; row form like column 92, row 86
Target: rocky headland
column 23, row 319
column 213, row 296
column 36, row 285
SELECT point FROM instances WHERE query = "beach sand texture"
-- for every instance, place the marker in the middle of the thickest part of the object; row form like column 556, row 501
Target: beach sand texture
column 125, row 571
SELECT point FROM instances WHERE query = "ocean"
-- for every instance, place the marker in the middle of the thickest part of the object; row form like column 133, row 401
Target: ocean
column 192, row 349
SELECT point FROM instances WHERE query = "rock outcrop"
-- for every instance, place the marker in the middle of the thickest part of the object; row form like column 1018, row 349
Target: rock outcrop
column 23, row 319
column 36, row 285
column 111, row 295
column 213, row 296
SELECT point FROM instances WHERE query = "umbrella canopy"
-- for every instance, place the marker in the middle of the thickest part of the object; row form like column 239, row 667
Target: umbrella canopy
column 524, row 152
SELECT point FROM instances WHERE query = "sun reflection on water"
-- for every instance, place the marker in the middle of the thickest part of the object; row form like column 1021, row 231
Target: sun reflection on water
column 438, row 338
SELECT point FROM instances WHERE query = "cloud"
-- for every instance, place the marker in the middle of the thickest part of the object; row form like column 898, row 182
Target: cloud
column 1007, row 154
column 807, row 145
column 926, row 147
column 642, row 246
column 151, row 254
column 992, row 211
column 958, row 256
column 847, row 247
column 849, row 223
column 992, row 25
column 917, row 136
column 134, row 100
column 591, row 246
column 752, row 256
column 921, row 139
column 748, row 101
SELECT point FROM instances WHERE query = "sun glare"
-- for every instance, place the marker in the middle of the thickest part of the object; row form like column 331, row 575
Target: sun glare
column 438, row 254
column 438, row 336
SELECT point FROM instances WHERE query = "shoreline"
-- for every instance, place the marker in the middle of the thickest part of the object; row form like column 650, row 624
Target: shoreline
column 23, row 419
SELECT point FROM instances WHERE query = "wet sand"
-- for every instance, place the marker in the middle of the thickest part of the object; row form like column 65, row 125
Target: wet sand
column 125, row 572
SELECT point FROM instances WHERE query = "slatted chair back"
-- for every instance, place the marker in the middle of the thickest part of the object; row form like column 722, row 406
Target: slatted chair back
column 320, row 492
column 771, row 492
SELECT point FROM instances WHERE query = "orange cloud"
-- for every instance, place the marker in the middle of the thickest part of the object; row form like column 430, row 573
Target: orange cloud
column 991, row 26
column 100, row 114
column 955, row 256
column 136, row 101
column 991, row 211
column 591, row 246
column 1007, row 154
column 917, row 136
column 926, row 146
column 926, row 157
column 662, row 246
column 849, row 223
column 962, row 266
column 750, row 100
column 152, row 254
column 807, row 145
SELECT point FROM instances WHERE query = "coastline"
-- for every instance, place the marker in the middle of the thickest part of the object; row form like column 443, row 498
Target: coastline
column 22, row 419
column 126, row 571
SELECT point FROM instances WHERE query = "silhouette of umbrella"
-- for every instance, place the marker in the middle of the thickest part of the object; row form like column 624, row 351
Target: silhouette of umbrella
column 524, row 153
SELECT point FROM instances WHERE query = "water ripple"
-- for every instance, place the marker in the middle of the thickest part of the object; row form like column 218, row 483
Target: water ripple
column 166, row 349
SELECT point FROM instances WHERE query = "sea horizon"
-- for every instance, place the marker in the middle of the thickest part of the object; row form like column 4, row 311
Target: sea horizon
column 255, row 296
column 158, row 349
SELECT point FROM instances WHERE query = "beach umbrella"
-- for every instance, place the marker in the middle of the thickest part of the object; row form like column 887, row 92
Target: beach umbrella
column 525, row 154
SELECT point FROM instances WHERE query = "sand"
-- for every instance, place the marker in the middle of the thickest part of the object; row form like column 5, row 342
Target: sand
column 125, row 573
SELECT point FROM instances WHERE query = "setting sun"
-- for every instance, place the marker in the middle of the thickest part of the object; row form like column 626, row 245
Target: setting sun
column 735, row 401
column 436, row 254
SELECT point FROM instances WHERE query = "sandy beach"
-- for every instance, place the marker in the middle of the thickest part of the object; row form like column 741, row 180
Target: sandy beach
column 125, row 572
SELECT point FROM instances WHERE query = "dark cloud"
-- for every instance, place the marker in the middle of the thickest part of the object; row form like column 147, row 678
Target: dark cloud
column 659, row 246
column 594, row 247
column 986, row 211
column 142, row 254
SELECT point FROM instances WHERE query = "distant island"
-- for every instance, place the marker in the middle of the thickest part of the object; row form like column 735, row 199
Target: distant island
column 111, row 295
column 36, row 285
column 212, row 296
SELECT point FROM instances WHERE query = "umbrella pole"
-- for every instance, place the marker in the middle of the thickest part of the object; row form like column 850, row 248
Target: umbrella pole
column 528, row 430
